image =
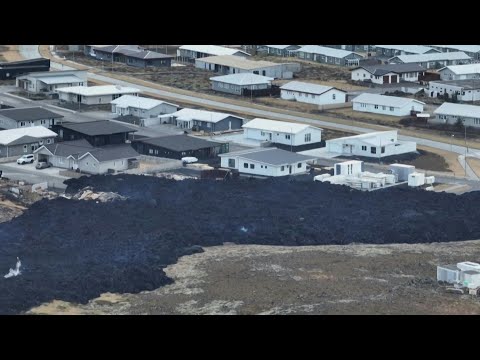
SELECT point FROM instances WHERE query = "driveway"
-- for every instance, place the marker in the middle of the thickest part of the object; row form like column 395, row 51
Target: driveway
column 30, row 175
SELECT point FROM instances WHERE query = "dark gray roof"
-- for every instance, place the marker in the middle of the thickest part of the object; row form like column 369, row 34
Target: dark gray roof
column 29, row 114
column 468, row 84
column 179, row 142
column 102, row 127
column 75, row 148
column 25, row 140
column 450, row 267
column 114, row 152
column 274, row 156
column 379, row 70
column 145, row 54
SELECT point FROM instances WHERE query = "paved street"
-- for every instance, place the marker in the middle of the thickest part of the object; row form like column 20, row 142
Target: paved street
column 29, row 174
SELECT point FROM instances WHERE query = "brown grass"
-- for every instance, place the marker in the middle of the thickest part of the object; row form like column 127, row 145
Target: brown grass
column 474, row 164
column 10, row 53
column 349, row 112
column 450, row 157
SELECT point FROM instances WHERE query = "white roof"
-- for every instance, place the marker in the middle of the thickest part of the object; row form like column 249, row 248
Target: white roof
column 416, row 49
column 8, row 136
column 98, row 90
column 64, row 79
column 307, row 87
column 458, row 110
column 138, row 102
column 384, row 100
column 201, row 115
column 280, row 126
column 237, row 62
column 213, row 50
column 463, row 69
column 243, row 79
column 466, row 48
column 372, row 137
column 457, row 55
column 323, row 50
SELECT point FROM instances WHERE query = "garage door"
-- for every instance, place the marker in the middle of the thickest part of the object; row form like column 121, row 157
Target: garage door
column 386, row 79
column 394, row 79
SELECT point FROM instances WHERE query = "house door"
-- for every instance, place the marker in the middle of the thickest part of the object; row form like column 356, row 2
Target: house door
column 270, row 136
column 386, row 79
column 394, row 79
column 289, row 169
column 79, row 98
column 351, row 148
column 33, row 147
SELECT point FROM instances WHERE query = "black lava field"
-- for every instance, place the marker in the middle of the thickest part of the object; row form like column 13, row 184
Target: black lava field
column 75, row 250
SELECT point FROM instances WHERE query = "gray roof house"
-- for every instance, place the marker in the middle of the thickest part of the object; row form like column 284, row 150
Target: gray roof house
column 279, row 50
column 328, row 55
column 132, row 55
column 237, row 83
column 394, row 50
column 450, row 113
column 266, row 162
column 433, row 60
column 29, row 116
column 388, row 73
column 208, row 121
column 48, row 81
column 79, row 155
column 16, row 142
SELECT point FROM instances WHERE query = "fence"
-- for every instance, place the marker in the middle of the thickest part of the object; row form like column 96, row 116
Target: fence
column 272, row 91
column 334, row 106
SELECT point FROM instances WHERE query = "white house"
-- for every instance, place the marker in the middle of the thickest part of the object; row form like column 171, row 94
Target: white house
column 394, row 50
column 266, row 162
column 15, row 142
column 202, row 120
column 279, row 50
column 460, row 72
column 230, row 64
column 450, row 113
column 433, row 61
column 388, row 74
column 192, row 52
column 470, row 50
column 312, row 93
column 282, row 132
column 386, row 105
column 141, row 106
column 375, row 145
column 464, row 90
column 94, row 95
column 49, row 81
column 237, row 83
column 328, row 55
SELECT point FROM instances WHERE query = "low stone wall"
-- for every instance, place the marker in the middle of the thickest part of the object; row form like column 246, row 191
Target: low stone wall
column 4, row 160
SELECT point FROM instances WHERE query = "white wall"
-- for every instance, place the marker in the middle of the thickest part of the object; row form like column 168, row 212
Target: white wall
column 91, row 165
column 462, row 94
column 333, row 96
column 263, row 169
column 387, row 110
column 282, row 138
column 447, row 74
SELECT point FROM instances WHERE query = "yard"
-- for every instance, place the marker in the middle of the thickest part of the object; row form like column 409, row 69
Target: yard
column 474, row 163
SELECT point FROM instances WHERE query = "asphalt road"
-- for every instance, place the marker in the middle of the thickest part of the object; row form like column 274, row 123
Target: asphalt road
column 31, row 51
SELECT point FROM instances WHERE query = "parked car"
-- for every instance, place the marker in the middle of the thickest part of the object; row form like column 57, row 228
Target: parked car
column 26, row 159
column 42, row 165
column 189, row 160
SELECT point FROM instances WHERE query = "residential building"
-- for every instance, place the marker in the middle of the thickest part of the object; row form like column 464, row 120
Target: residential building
column 12, row 69
column 460, row 72
column 237, row 84
column 279, row 50
column 141, row 106
column 450, row 113
column 266, row 162
column 386, row 105
column 230, row 64
column 94, row 95
column 312, row 93
column 29, row 116
column 395, row 50
column 328, row 55
column 16, row 142
column 388, row 74
column 208, row 121
column 80, row 155
column 132, row 55
column 434, row 60
column 294, row 135
column 48, row 82
column 463, row 90
column 97, row 133
column 179, row 146
column 192, row 52
column 371, row 145
column 471, row 50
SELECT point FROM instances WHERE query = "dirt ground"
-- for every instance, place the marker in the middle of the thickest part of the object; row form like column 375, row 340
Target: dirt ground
column 449, row 157
column 9, row 53
column 271, row 280
column 9, row 210
column 349, row 113
column 474, row 164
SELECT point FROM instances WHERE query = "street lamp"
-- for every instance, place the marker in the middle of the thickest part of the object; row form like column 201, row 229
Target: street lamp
column 451, row 142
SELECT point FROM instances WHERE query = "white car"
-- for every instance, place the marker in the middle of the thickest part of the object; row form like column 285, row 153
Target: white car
column 26, row 159
column 189, row 160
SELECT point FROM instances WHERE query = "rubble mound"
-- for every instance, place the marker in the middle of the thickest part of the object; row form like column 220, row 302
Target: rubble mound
column 75, row 250
column 102, row 196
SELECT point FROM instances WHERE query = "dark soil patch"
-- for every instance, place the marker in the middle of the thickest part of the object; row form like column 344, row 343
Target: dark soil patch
column 76, row 250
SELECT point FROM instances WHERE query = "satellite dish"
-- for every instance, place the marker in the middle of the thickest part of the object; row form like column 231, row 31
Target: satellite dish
column 118, row 87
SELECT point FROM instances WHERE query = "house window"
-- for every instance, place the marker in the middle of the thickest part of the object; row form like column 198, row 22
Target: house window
column 383, row 149
column 373, row 150
column 43, row 122
column 252, row 166
column 245, row 165
column 209, row 125
column 25, row 148
column 299, row 165
column 334, row 96
column 287, row 137
column 308, row 137
column 391, row 108
column 376, row 106
column 41, row 142
column 22, row 123
column 231, row 163
column 150, row 151
column 262, row 133
column 364, row 148
column 49, row 141
column 384, row 108
column 266, row 166
column 282, row 168
column 156, row 152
